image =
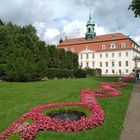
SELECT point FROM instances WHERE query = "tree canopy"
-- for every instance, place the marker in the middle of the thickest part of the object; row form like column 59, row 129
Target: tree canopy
column 24, row 57
column 135, row 7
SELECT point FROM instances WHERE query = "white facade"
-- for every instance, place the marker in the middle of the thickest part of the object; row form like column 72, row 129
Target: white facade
column 113, row 62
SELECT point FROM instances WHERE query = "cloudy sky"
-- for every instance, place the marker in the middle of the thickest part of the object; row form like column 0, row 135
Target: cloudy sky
column 54, row 19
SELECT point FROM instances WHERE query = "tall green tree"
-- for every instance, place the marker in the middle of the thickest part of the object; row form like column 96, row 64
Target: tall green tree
column 135, row 7
column 22, row 53
column 1, row 22
column 24, row 57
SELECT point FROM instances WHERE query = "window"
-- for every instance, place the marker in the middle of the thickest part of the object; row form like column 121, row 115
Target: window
column 106, row 63
column 106, row 54
column 133, row 45
column 100, row 64
column 89, row 30
column 112, row 46
column 93, row 55
column 100, row 55
column 123, row 45
column 86, row 56
column 93, row 64
column 113, row 64
column 126, row 63
column 120, row 54
column 103, row 47
column 120, row 72
column 113, row 71
column 66, row 49
column 120, row 63
column 126, row 70
column 81, row 56
column 81, row 64
column 72, row 49
column 126, row 53
column 113, row 54
column 87, row 64
column 113, row 37
column 106, row 71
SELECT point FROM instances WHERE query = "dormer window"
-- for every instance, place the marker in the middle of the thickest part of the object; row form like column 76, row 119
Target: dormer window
column 113, row 37
column 72, row 49
column 103, row 47
column 112, row 46
column 123, row 45
column 66, row 49
column 133, row 45
column 136, row 47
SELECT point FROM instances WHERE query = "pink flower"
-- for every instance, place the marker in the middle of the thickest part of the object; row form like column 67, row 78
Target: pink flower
column 42, row 122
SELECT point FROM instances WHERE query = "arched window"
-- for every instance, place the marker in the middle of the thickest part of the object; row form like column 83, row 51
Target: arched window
column 72, row 49
column 103, row 47
column 112, row 46
column 133, row 45
column 89, row 29
column 66, row 49
column 123, row 45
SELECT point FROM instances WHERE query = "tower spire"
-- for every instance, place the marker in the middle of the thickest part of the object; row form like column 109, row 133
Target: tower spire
column 90, row 34
column 90, row 15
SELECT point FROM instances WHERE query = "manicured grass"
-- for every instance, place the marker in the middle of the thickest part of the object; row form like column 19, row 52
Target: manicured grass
column 17, row 98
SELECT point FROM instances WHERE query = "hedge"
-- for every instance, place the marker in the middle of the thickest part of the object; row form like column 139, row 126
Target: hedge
column 59, row 73
column 65, row 73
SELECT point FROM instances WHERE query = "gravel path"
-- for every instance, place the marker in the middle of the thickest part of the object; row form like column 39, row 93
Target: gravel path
column 131, row 127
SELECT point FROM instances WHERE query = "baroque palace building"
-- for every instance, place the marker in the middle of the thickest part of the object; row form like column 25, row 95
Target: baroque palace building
column 114, row 53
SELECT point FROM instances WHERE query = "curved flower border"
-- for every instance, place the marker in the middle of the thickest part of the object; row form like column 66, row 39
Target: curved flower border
column 40, row 122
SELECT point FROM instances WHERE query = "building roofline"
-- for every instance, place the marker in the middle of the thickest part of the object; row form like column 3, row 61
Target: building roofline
column 134, row 41
column 87, row 42
column 92, row 41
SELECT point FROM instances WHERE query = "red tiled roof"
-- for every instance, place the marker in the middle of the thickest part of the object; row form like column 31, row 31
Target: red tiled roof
column 95, row 44
column 98, row 38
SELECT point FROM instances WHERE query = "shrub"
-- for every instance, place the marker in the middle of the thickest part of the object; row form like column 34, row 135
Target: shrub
column 2, row 71
column 80, row 73
column 98, row 72
column 90, row 72
column 59, row 73
column 93, row 72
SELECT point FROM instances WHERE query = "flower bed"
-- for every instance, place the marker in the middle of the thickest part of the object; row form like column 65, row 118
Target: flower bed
column 109, row 89
column 37, row 121
column 127, row 79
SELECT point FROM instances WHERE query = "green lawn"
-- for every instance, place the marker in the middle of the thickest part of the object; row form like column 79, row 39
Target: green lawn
column 17, row 98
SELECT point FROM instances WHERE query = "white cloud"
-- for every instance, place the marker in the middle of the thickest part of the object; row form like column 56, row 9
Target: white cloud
column 75, row 28
column 56, row 18
column 100, row 30
column 137, row 38
column 51, row 33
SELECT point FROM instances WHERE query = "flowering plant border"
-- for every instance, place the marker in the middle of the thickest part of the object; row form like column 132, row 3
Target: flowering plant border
column 127, row 79
column 41, row 122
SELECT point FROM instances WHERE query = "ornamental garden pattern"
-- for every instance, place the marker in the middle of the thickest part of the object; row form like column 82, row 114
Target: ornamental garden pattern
column 29, row 124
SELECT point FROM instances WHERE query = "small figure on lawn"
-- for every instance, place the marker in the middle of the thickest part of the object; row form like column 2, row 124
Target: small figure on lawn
column 137, row 76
